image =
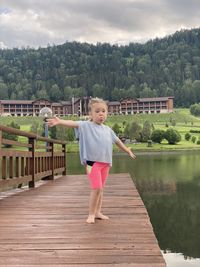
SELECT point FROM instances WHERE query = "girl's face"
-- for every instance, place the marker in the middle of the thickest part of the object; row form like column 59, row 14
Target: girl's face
column 99, row 113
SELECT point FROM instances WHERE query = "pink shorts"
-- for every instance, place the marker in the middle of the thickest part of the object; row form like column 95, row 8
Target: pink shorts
column 97, row 174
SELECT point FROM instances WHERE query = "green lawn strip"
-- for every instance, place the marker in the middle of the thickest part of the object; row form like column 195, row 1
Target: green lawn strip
column 184, row 123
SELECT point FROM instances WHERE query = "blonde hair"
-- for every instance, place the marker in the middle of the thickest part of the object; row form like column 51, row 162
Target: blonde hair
column 94, row 101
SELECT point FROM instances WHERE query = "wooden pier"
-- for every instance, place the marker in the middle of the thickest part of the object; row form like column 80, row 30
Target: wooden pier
column 45, row 226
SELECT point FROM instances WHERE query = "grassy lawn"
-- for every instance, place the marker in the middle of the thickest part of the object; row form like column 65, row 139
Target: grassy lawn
column 184, row 122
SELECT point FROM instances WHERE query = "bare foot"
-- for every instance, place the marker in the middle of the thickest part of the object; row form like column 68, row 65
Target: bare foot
column 101, row 216
column 90, row 219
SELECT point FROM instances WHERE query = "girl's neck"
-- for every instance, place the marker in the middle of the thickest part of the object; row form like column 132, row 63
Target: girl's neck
column 97, row 123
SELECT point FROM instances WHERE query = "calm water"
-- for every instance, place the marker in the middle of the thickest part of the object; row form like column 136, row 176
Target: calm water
column 169, row 184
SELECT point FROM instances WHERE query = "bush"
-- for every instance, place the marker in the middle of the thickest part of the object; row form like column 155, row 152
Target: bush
column 157, row 136
column 187, row 136
column 146, row 131
column 61, row 133
column 37, row 128
column 194, row 139
column 11, row 136
column 198, row 142
column 194, row 131
column 195, row 109
column 127, row 131
column 172, row 136
column 116, row 129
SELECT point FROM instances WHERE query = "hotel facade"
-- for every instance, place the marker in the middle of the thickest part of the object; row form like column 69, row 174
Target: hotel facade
column 79, row 106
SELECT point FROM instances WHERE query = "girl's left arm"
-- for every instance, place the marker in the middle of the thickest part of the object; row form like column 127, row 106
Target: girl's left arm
column 125, row 149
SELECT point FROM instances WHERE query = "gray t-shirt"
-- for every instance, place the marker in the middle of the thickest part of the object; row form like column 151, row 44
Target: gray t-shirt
column 95, row 142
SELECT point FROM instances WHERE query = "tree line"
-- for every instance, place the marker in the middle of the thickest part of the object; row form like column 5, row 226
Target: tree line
column 161, row 67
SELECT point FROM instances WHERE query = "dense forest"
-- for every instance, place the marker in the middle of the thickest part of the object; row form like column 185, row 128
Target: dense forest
column 161, row 67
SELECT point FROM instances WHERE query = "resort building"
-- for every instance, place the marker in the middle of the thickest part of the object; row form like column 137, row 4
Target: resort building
column 147, row 105
column 79, row 106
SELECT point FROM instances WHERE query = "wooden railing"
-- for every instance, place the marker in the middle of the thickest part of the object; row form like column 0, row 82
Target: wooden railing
column 29, row 159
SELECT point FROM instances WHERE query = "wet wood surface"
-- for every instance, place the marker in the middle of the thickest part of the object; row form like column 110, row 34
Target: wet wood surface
column 46, row 226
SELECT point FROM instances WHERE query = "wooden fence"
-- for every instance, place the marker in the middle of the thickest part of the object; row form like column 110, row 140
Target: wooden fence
column 30, row 159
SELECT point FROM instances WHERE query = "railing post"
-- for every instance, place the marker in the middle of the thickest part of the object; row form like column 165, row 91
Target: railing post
column 65, row 159
column 52, row 165
column 32, row 142
column 1, row 140
column 1, row 158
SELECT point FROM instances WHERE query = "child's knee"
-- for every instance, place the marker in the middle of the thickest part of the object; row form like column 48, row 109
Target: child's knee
column 97, row 191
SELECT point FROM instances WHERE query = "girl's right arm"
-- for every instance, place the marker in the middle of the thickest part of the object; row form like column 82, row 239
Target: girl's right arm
column 57, row 121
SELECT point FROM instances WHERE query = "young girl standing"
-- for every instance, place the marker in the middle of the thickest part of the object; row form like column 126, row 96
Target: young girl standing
column 95, row 147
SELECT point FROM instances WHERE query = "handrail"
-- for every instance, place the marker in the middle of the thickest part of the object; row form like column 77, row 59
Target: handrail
column 29, row 134
column 27, row 162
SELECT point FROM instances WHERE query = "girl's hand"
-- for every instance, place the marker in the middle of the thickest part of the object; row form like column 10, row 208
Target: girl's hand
column 131, row 154
column 53, row 122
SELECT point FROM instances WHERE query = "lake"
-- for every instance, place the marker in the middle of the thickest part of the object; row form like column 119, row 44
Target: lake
column 169, row 184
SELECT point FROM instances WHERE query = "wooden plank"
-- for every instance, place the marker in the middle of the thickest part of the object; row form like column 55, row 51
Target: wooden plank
column 16, row 143
column 45, row 226
column 14, row 181
column 94, row 265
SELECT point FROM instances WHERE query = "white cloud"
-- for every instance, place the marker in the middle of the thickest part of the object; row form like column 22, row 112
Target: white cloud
column 38, row 23
column 2, row 45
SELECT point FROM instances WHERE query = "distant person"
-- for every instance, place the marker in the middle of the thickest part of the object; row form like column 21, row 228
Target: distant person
column 95, row 146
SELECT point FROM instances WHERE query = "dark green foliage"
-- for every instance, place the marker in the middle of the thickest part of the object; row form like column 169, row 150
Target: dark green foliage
column 160, row 67
column 116, row 129
column 62, row 133
column 52, row 132
column 193, row 139
column 172, row 136
column 37, row 128
column 195, row 109
column 127, row 131
column 194, row 131
column 157, row 136
column 187, row 136
column 146, row 131
column 135, row 132
column 11, row 136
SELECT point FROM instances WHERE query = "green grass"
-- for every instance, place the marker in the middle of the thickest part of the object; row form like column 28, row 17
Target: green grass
column 182, row 117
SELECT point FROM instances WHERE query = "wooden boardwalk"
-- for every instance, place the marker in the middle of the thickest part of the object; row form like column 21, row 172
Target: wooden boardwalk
column 46, row 227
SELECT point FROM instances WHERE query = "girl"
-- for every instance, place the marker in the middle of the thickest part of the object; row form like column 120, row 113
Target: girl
column 95, row 147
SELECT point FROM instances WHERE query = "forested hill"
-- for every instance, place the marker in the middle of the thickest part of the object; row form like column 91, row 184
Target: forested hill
column 160, row 67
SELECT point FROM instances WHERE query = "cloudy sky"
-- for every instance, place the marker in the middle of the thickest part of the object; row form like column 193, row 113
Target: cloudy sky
column 37, row 23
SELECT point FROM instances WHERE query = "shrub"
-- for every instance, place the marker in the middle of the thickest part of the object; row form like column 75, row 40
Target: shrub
column 146, row 131
column 194, row 139
column 116, row 129
column 61, row 133
column 172, row 136
column 157, row 136
column 37, row 128
column 127, row 131
column 195, row 109
column 10, row 136
column 194, row 131
column 187, row 136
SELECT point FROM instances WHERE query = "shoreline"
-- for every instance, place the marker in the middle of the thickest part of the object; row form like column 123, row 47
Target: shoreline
column 142, row 150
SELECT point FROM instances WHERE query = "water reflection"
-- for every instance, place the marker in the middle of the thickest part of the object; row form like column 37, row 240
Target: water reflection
column 170, row 188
